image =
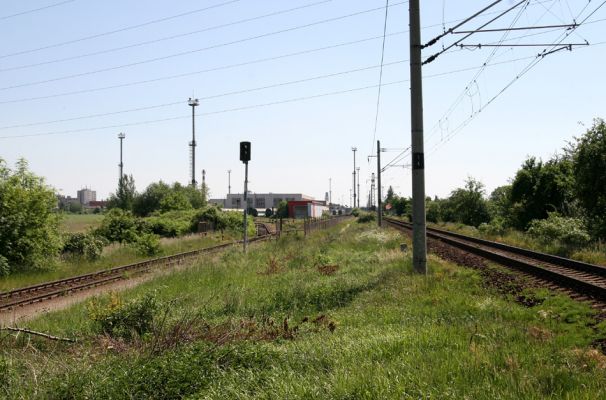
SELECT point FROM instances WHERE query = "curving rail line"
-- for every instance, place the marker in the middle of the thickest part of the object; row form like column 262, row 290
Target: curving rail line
column 49, row 290
column 584, row 278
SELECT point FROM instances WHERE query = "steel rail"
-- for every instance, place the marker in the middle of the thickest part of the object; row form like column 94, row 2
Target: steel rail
column 585, row 278
column 49, row 290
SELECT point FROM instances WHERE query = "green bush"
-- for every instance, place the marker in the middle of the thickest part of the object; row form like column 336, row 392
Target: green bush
column 84, row 245
column 118, row 319
column 366, row 217
column 5, row 269
column 355, row 212
column 269, row 212
column 118, row 226
column 171, row 224
column 147, row 244
column 496, row 227
column 569, row 232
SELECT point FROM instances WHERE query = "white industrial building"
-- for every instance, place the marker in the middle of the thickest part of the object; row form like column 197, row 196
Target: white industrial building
column 85, row 196
column 260, row 201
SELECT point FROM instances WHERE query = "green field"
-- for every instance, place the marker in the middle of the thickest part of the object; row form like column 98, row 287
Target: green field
column 79, row 222
column 336, row 315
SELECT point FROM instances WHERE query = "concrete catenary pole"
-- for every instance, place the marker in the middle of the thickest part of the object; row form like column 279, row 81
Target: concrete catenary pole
column 419, row 241
column 193, row 103
column 121, row 136
column 379, row 205
column 358, row 173
column 354, row 149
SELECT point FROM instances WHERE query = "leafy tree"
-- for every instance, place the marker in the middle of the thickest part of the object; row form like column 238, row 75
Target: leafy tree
column 433, row 210
column 269, row 212
column 589, row 166
column 539, row 188
column 282, row 211
column 29, row 229
column 149, row 201
column 253, row 212
column 467, row 205
column 174, row 201
column 390, row 196
column 125, row 195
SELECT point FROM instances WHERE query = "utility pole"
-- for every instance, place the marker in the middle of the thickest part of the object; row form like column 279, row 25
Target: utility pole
column 193, row 103
column 419, row 241
column 379, row 205
column 354, row 149
column 229, row 181
column 358, row 172
column 121, row 136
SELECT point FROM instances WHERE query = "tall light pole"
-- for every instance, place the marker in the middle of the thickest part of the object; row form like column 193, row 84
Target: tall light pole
column 354, row 149
column 121, row 136
column 229, row 181
column 419, row 241
column 193, row 103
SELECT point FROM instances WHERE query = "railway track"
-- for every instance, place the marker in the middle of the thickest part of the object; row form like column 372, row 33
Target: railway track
column 50, row 290
column 585, row 279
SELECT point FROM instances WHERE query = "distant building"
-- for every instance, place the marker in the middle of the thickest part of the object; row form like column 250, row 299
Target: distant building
column 101, row 204
column 85, row 196
column 307, row 209
column 260, row 201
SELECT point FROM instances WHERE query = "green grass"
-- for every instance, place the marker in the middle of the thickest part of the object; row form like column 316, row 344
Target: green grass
column 394, row 334
column 113, row 256
column 73, row 223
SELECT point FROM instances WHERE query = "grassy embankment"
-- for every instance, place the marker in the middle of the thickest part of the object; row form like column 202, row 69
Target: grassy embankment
column 594, row 254
column 367, row 328
column 112, row 256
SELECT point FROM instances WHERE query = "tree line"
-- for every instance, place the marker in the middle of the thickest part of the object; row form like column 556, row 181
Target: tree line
column 566, row 193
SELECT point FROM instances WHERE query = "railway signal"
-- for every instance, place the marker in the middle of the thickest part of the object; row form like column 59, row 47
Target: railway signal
column 245, row 158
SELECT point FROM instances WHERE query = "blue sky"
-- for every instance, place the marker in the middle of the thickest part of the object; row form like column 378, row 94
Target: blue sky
column 297, row 145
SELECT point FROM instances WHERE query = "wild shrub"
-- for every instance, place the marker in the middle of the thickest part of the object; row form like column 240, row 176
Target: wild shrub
column 570, row 232
column 118, row 226
column 355, row 212
column 5, row 269
column 496, row 227
column 366, row 217
column 119, row 319
column 147, row 244
column 84, row 245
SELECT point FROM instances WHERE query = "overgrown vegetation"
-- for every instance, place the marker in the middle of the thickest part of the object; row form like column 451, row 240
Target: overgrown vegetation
column 561, row 200
column 29, row 229
column 338, row 314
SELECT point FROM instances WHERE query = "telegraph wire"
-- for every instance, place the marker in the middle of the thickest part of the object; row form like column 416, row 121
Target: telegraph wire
column 124, row 29
column 243, row 91
column 211, row 28
column 374, row 135
column 249, row 90
column 207, row 70
column 243, row 108
column 35, row 10
column 183, row 53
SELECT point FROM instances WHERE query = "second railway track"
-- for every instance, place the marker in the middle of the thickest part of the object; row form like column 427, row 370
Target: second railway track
column 49, row 290
column 585, row 279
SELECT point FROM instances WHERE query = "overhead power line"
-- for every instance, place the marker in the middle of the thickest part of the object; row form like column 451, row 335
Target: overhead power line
column 183, row 53
column 124, row 29
column 5, row 17
column 436, row 55
column 206, row 70
column 166, row 38
column 374, row 135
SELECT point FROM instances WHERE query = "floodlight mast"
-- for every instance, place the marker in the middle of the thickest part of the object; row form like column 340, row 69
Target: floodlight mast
column 121, row 136
column 193, row 103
